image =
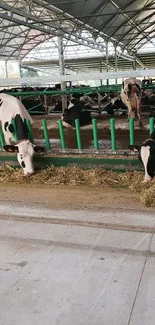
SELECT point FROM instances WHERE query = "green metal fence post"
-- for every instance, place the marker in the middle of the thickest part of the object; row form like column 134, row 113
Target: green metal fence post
column 46, row 136
column 151, row 124
column 2, row 141
column 113, row 134
column 78, row 135
column 30, row 130
column 61, row 132
column 131, row 127
column 95, row 135
column 15, row 130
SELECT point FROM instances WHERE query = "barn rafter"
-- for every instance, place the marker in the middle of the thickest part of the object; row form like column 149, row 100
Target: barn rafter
column 126, row 24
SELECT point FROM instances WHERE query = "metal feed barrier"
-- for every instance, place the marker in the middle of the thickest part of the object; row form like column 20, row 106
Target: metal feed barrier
column 88, row 90
column 79, row 148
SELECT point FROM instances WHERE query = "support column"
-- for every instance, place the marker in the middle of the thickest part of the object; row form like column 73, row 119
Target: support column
column 20, row 70
column 62, row 70
column 116, row 62
column 107, row 62
column 134, row 62
column 6, row 69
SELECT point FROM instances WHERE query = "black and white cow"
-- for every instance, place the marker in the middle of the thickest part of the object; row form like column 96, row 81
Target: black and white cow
column 12, row 108
column 131, row 94
column 76, row 110
column 147, row 156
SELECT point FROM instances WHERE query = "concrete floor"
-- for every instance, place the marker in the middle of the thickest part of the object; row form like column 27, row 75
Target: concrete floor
column 81, row 274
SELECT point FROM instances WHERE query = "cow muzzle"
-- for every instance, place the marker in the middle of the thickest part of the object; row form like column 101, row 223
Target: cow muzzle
column 28, row 174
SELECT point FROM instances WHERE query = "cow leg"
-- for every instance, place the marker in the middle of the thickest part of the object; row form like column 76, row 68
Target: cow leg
column 139, row 116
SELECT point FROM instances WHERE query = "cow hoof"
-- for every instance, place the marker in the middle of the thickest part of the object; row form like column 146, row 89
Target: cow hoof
column 147, row 181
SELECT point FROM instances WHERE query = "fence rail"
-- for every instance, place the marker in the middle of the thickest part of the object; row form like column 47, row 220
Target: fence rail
column 79, row 148
column 73, row 91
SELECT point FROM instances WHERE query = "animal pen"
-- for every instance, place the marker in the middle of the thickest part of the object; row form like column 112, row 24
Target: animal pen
column 112, row 158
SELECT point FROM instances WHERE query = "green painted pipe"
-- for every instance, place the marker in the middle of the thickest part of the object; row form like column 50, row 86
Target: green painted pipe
column 30, row 131
column 78, row 135
column 68, row 91
column 62, row 137
column 2, row 141
column 131, row 127
column 151, row 124
column 46, row 136
column 15, row 130
column 71, row 91
column 113, row 134
column 95, row 135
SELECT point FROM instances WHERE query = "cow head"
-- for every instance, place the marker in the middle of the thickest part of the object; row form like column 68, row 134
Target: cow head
column 146, row 153
column 25, row 151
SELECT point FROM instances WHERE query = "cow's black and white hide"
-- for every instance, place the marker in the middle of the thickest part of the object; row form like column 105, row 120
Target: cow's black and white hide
column 150, row 100
column 58, row 106
column 115, row 105
column 87, row 100
column 12, row 108
column 131, row 94
column 77, row 111
column 146, row 154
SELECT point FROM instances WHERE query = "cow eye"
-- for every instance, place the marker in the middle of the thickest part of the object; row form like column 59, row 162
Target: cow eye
column 21, row 156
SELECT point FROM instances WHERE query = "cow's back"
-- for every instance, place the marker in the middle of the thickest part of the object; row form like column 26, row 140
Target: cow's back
column 10, row 106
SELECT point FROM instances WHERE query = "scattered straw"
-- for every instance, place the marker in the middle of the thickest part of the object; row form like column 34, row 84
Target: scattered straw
column 95, row 177
column 148, row 196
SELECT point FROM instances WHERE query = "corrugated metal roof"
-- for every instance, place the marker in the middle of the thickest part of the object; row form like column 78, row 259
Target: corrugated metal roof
column 26, row 23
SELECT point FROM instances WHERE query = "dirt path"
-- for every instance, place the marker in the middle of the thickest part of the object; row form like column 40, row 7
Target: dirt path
column 72, row 198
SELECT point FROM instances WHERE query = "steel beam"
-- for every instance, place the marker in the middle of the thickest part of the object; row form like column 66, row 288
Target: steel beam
column 62, row 70
column 47, row 27
column 78, row 77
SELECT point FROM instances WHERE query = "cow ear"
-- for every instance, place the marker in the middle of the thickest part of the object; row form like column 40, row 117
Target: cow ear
column 39, row 149
column 10, row 148
column 134, row 148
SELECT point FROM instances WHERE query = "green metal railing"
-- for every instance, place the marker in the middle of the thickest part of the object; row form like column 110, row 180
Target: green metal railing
column 15, row 130
column 113, row 134
column 86, row 90
column 62, row 137
column 30, row 130
column 2, row 141
column 95, row 135
column 151, row 124
column 78, row 134
column 131, row 128
column 46, row 135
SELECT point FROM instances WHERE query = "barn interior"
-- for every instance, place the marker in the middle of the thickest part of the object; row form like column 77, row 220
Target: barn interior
column 77, row 239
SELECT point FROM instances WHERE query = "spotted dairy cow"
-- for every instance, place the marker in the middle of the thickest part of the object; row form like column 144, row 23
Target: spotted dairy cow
column 76, row 110
column 146, row 154
column 131, row 95
column 12, row 108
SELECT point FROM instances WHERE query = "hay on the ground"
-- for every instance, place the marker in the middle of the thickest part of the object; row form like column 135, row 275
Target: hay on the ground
column 95, row 177
column 148, row 197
